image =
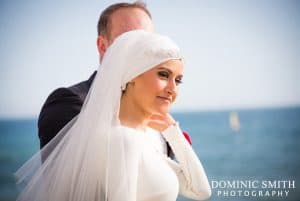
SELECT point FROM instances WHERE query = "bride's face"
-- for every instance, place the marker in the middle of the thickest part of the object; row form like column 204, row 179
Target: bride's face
column 155, row 90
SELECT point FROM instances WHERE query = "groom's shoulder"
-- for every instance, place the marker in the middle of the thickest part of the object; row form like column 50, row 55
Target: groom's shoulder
column 62, row 94
column 67, row 96
column 60, row 107
column 61, row 102
column 76, row 92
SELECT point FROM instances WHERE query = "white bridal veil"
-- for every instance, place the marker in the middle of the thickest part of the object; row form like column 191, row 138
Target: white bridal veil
column 87, row 160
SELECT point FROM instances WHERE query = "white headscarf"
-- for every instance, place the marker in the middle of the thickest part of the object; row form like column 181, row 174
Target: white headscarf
column 89, row 153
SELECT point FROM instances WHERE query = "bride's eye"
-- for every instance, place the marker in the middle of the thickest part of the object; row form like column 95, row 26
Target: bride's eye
column 163, row 74
column 178, row 81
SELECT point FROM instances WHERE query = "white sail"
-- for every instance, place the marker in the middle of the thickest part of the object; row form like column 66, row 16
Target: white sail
column 234, row 121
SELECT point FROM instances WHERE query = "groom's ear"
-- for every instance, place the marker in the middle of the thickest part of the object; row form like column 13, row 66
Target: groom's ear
column 102, row 44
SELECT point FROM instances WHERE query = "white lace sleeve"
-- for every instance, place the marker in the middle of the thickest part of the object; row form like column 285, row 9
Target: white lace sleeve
column 191, row 175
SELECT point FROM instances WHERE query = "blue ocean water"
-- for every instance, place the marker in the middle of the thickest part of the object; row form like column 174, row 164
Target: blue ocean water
column 265, row 148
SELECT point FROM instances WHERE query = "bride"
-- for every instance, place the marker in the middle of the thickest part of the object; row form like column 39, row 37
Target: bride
column 107, row 152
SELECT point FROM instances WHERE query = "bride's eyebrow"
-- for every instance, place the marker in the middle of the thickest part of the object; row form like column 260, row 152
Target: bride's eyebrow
column 164, row 68
column 169, row 71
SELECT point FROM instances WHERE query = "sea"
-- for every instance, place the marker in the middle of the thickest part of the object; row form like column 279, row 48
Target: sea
column 250, row 154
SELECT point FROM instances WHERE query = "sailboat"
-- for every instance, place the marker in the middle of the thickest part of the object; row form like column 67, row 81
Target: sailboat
column 234, row 121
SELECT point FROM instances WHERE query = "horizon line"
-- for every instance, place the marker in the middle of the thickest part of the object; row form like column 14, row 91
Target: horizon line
column 199, row 110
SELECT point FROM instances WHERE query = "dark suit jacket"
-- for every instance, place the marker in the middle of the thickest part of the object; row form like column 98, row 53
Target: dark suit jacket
column 60, row 107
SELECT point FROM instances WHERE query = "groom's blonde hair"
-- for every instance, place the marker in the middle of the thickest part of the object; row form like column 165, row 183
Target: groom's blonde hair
column 103, row 26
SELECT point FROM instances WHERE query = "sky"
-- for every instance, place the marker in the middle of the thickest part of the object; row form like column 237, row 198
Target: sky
column 239, row 54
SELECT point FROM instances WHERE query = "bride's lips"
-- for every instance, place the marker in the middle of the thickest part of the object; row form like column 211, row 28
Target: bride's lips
column 165, row 99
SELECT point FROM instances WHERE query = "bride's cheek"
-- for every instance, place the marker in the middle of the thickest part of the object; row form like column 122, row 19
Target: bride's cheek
column 161, row 85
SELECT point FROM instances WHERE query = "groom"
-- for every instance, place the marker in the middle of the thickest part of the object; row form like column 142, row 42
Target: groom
column 65, row 103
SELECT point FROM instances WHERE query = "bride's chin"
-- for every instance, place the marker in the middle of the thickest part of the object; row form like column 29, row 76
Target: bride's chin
column 163, row 110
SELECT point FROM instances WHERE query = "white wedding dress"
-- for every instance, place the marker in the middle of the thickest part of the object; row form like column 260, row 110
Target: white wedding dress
column 156, row 172
column 94, row 158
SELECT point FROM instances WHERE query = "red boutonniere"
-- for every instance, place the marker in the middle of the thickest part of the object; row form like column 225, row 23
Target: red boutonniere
column 187, row 137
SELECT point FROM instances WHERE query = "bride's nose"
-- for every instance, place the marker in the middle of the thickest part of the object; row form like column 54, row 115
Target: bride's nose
column 172, row 88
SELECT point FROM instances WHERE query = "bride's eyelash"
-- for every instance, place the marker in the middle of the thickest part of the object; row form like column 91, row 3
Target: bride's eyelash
column 178, row 81
column 166, row 75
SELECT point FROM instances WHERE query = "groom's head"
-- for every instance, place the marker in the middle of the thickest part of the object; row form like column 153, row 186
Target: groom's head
column 119, row 18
